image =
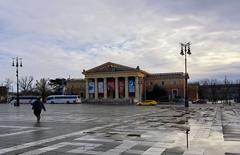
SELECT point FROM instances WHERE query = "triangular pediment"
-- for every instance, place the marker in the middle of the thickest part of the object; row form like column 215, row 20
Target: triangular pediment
column 110, row 67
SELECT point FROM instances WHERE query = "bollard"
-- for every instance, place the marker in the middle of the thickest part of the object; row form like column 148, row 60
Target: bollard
column 187, row 132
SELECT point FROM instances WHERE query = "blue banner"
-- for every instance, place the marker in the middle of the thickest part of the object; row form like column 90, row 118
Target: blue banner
column 131, row 86
column 91, row 87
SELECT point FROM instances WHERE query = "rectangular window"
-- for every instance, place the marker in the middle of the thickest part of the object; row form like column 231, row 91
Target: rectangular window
column 174, row 93
column 174, row 82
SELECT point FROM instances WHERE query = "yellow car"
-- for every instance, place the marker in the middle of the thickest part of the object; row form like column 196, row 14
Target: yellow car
column 147, row 102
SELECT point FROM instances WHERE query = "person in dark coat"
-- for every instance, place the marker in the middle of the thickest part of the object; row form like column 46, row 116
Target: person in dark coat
column 37, row 107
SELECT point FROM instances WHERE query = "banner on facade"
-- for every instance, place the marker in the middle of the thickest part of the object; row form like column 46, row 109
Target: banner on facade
column 131, row 86
column 100, row 87
column 111, row 85
column 91, row 87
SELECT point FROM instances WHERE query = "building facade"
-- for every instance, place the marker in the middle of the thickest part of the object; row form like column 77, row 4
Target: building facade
column 75, row 87
column 111, row 82
column 173, row 83
column 3, row 94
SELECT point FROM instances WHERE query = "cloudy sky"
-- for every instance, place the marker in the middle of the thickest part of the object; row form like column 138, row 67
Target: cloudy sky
column 60, row 38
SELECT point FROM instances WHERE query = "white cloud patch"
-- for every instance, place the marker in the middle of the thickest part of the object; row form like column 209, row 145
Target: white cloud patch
column 59, row 38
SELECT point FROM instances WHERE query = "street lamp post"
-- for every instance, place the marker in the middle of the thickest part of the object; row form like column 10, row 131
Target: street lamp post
column 17, row 63
column 185, row 49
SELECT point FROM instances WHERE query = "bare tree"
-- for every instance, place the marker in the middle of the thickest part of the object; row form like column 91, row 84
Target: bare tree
column 26, row 84
column 213, row 88
column 238, row 90
column 202, row 92
column 43, row 88
column 7, row 83
column 226, row 89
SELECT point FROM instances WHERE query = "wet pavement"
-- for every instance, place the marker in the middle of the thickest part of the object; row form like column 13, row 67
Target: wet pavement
column 126, row 130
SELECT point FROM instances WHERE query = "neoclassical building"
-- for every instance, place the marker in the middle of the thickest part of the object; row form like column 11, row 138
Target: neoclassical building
column 111, row 82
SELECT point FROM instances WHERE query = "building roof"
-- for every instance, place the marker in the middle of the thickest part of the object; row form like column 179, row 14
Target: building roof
column 167, row 75
column 114, row 67
column 111, row 67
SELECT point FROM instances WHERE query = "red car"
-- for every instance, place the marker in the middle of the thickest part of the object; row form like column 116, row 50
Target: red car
column 199, row 101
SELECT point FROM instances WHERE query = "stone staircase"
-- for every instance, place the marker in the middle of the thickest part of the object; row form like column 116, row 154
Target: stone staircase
column 109, row 101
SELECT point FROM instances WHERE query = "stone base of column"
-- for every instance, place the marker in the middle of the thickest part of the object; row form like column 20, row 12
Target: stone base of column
column 108, row 101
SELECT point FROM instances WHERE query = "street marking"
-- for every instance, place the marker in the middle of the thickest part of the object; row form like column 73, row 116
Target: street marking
column 17, row 133
column 126, row 145
column 16, row 128
column 30, row 144
column 154, row 151
column 91, row 138
column 83, row 148
column 94, row 152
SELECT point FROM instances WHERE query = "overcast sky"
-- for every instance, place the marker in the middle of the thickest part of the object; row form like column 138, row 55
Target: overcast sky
column 60, row 38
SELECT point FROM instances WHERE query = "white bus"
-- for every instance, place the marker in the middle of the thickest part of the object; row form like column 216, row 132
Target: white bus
column 69, row 99
column 24, row 99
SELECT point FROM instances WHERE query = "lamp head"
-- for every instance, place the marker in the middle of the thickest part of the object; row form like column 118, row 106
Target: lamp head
column 13, row 62
column 182, row 53
column 21, row 62
column 189, row 51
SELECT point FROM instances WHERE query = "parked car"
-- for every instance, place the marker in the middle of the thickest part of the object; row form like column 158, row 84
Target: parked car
column 199, row 101
column 147, row 102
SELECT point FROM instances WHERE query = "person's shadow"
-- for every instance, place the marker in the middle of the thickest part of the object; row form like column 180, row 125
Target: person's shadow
column 37, row 124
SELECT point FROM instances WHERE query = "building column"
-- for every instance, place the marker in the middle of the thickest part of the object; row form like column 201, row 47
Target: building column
column 126, row 88
column 116, row 88
column 140, row 89
column 96, row 88
column 137, row 88
column 87, row 94
column 105, row 88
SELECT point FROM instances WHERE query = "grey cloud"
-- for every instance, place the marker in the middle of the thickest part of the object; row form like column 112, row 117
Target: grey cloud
column 138, row 32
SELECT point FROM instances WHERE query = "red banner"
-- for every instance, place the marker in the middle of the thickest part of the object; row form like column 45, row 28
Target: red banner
column 111, row 85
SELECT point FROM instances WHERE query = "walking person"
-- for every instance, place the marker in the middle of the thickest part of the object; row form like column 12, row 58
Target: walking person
column 37, row 107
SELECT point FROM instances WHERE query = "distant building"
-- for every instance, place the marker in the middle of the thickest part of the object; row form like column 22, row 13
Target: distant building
column 3, row 93
column 111, row 82
column 75, row 87
column 173, row 83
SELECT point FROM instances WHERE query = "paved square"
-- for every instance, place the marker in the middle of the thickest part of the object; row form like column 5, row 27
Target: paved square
column 120, row 130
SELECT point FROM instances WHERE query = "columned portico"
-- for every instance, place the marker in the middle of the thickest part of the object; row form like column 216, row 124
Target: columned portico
column 107, row 84
column 113, row 82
